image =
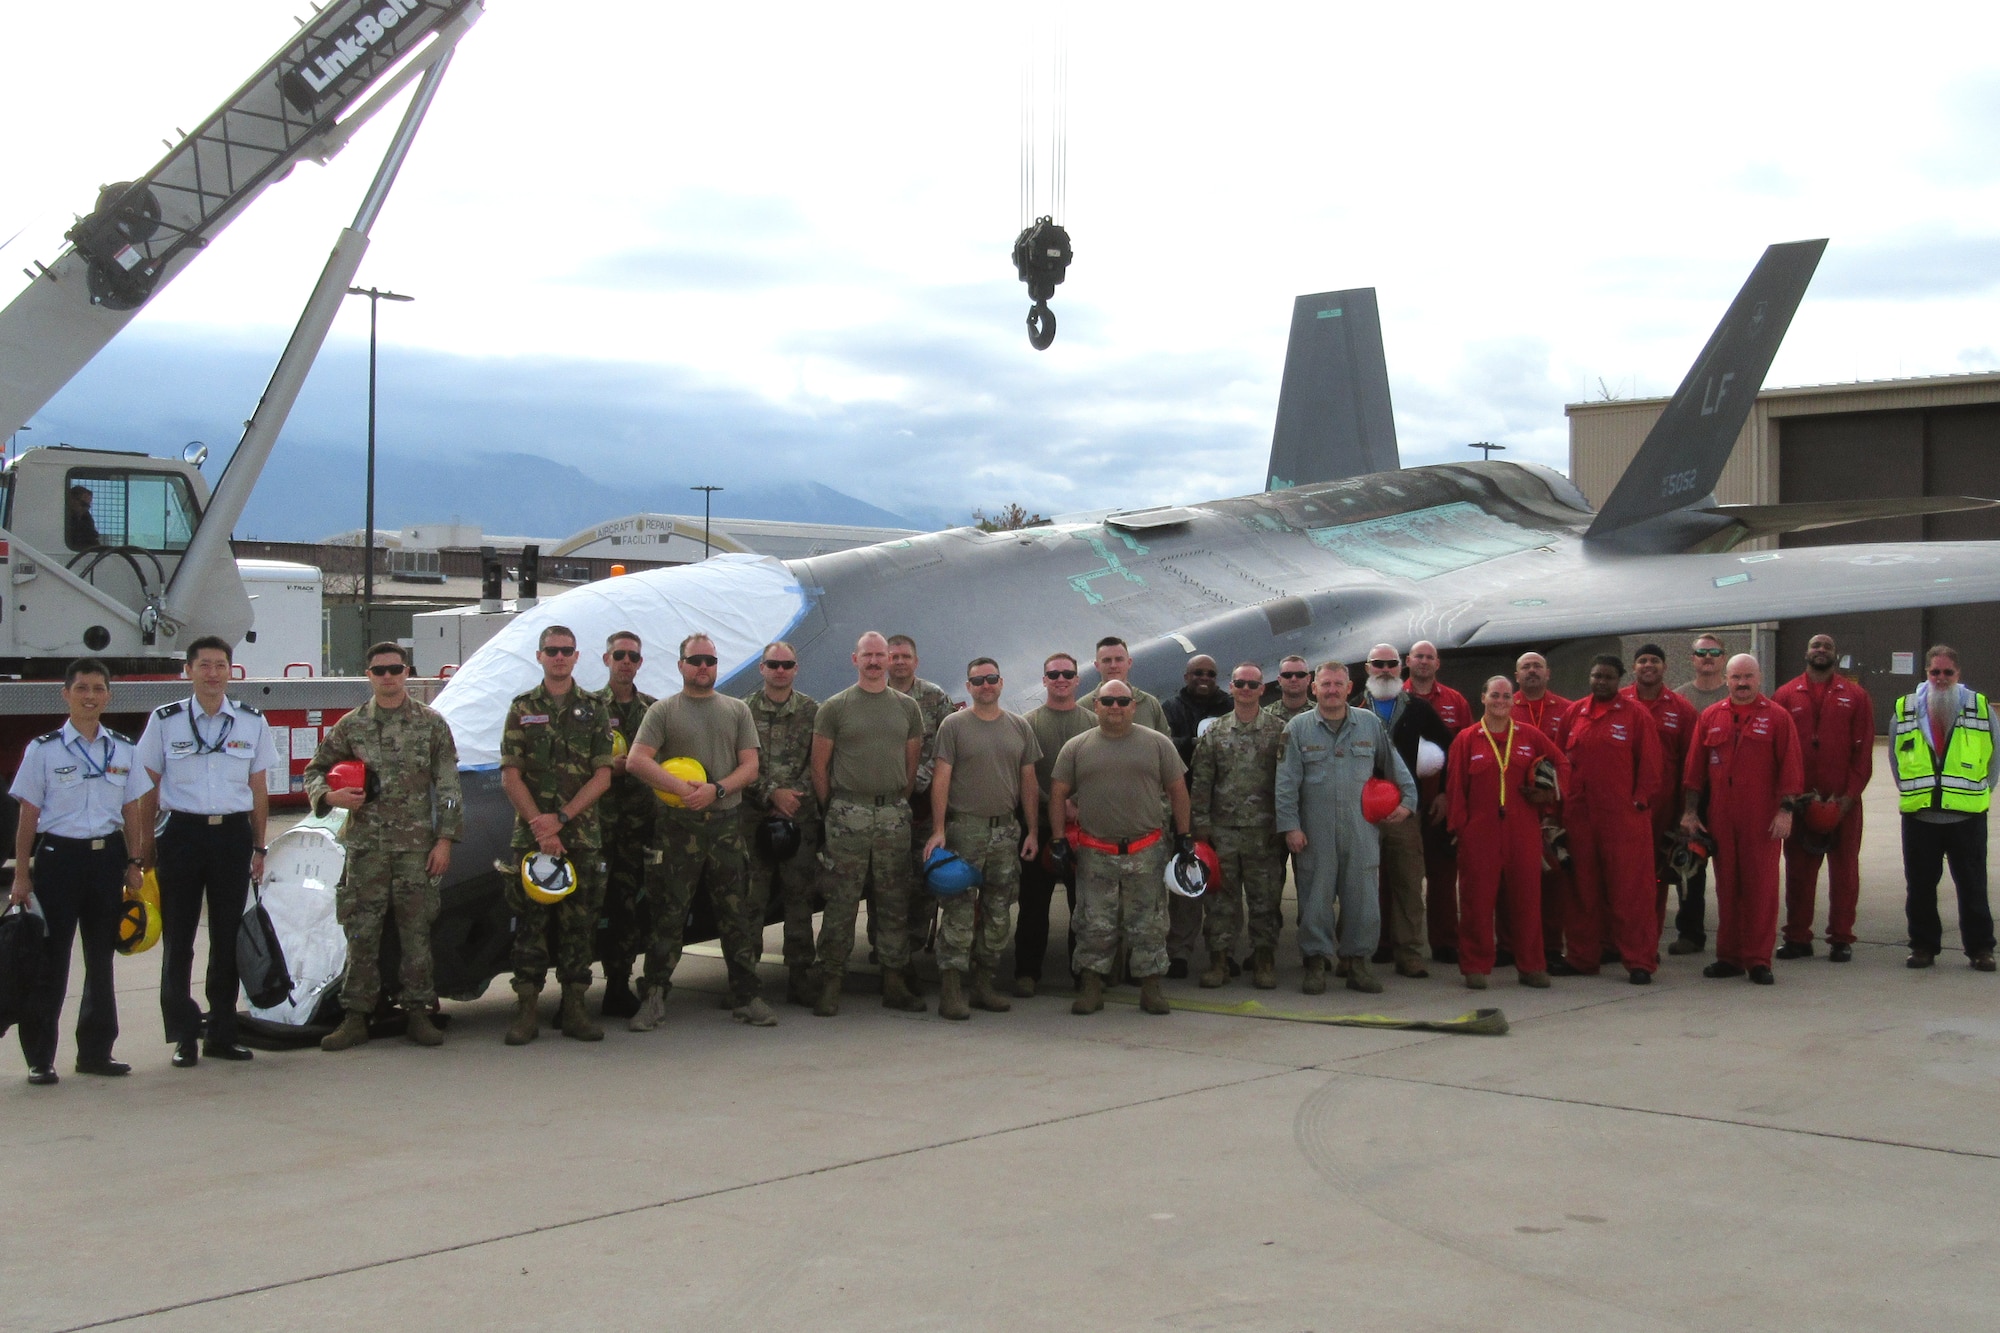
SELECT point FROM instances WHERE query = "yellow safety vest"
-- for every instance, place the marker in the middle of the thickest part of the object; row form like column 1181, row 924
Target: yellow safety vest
column 1961, row 784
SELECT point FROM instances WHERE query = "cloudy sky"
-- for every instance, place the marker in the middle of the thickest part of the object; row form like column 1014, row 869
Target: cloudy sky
column 666, row 244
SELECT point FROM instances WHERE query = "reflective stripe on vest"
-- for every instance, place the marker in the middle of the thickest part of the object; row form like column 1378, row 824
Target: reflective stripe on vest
column 1968, row 759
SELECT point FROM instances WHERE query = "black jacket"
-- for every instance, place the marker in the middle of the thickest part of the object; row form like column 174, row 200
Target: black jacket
column 1185, row 714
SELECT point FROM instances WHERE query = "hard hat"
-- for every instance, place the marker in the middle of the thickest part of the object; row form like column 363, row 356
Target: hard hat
column 948, row 874
column 138, row 922
column 1689, row 853
column 619, row 748
column 1205, row 853
column 687, row 770
column 353, row 775
column 547, row 879
column 1379, row 799
column 1187, row 874
column 1430, row 759
column 1823, row 816
column 1544, row 777
column 778, row 837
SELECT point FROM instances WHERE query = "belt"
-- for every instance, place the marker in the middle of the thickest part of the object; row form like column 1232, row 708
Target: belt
column 877, row 801
column 81, row 844
column 1121, row 847
column 233, row 817
column 991, row 821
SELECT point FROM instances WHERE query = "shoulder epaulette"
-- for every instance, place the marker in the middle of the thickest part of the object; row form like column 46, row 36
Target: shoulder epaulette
column 55, row 735
column 168, row 710
column 119, row 736
column 246, row 708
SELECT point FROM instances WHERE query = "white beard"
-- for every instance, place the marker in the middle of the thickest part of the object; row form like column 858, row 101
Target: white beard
column 1384, row 687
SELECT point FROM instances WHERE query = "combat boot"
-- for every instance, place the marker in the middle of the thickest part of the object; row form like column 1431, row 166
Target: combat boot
column 353, row 1031
column 800, row 990
column 951, row 995
column 1218, row 970
column 422, row 1030
column 1152, row 998
column 984, row 996
column 652, row 1011
column 1315, row 978
column 526, row 1025
column 575, row 1019
column 896, row 993
column 1263, row 970
column 828, row 1003
column 1089, row 994
column 1361, row 979
column 619, row 1001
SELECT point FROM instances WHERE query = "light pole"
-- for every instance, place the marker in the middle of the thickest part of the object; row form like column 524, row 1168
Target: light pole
column 375, row 298
column 707, row 495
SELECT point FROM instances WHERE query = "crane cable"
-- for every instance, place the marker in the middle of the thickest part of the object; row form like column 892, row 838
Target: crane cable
column 1042, row 251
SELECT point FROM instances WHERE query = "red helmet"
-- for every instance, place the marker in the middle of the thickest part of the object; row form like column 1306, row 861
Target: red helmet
column 1205, row 853
column 1379, row 799
column 1823, row 816
column 347, row 775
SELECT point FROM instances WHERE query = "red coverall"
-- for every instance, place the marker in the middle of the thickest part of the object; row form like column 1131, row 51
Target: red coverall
column 1675, row 717
column 1545, row 715
column 1836, row 726
column 1440, row 857
column 1614, row 762
column 1498, row 845
column 1747, row 760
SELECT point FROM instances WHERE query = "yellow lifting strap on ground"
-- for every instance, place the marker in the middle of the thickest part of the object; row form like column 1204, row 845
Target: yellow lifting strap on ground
column 1478, row 1023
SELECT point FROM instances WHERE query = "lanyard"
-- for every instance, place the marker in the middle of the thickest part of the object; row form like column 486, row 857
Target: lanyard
column 1502, row 757
column 201, row 746
column 90, row 769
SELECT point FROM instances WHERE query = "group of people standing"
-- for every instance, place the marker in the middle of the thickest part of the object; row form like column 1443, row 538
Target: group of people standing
column 1529, row 831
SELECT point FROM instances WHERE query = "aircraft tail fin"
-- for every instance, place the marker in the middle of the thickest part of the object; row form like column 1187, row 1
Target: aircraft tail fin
column 1683, row 456
column 1334, row 416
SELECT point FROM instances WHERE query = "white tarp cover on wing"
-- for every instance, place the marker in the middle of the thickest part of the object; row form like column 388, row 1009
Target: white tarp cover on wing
column 741, row 601
column 300, row 872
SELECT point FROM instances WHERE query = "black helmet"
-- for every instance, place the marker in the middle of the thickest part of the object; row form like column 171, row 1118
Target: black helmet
column 778, row 837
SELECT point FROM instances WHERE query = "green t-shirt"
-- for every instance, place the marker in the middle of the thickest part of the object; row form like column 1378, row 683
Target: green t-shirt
column 1118, row 784
column 986, row 760
column 870, row 734
column 1053, row 728
column 712, row 730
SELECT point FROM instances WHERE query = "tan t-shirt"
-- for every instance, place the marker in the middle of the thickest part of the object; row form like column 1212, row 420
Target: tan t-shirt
column 1053, row 729
column 710, row 730
column 871, row 733
column 986, row 760
column 1118, row 785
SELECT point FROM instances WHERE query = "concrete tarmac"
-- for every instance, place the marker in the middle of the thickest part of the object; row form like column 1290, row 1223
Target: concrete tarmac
column 1691, row 1155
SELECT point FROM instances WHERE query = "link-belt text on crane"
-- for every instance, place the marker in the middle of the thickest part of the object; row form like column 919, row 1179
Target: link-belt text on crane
column 322, row 68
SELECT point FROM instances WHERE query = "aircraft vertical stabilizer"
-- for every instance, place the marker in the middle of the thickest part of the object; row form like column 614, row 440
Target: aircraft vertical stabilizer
column 1689, row 445
column 1334, row 417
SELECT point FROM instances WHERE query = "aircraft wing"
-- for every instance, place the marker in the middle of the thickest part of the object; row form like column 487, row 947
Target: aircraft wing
column 1611, row 594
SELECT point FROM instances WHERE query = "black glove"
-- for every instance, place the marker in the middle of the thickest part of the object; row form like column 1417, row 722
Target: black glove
column 1059, row 855
column 1184, row 844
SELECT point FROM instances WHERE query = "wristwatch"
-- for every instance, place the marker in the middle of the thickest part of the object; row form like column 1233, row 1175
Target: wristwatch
column 562, row 817
column 260, row 850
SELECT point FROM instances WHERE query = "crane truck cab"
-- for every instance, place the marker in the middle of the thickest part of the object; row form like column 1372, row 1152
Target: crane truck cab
column 90, row 541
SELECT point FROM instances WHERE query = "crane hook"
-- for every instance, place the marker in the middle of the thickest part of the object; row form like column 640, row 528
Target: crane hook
column 1042, row 256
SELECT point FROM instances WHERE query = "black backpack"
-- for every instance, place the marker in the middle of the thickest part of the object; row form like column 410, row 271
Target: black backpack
column 260, row 957
column 23, row 949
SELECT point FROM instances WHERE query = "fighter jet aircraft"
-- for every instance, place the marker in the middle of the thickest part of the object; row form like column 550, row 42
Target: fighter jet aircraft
column 1344, row 549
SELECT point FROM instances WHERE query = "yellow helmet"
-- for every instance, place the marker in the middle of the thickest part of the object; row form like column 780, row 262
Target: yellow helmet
column 687, row 770
column 547, row 879
column 139, row 918
column 618, row 745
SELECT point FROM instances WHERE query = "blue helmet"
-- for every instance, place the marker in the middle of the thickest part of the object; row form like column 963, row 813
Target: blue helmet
column 948, row 874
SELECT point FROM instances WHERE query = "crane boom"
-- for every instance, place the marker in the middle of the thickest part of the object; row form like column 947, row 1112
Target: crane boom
column 350, row 57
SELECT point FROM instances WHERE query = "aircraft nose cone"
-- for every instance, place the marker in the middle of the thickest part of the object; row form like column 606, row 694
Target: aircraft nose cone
column 740, row 601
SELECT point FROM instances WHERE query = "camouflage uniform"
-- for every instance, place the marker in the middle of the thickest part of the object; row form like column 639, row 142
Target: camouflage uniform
column 1276, row 708
column 1106, row 881
column 625, row 821
column 864, row 834
column 409, row 751
column 694, row 846
column 785, row 731
column 936, row 706
column 558, row 743
column 979, row 922
column 1232, row 790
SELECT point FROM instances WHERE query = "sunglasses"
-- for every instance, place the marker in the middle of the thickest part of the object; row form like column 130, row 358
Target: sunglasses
column 1385, row 663
column 387, row 669
column 1247, row 684
column 560, row 652
column 1059, row 675
column 1210, row 675
column 1295, row 675
column 625, row 655
column 1944, row 671
column 1708, row 652
column 1113, row 701
column 700, row 659
column 775, row 665
column 990, row 678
